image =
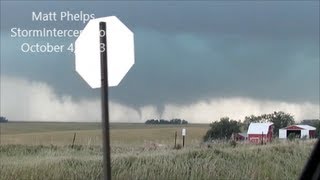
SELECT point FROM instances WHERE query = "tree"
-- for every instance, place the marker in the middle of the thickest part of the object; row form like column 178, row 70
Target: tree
column 250, row 119
column 280, row 120
column 175, row 121
column 3, row 119
column 184, row 122
column 152, row 121
column 310, row 122
column 222, row 129
column 163, row 121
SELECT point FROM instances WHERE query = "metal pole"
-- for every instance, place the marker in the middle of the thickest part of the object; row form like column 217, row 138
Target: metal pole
column 182, row 141
column 105, row 102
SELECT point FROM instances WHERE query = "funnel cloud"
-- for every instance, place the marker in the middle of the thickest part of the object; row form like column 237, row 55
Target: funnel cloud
column 193, row 60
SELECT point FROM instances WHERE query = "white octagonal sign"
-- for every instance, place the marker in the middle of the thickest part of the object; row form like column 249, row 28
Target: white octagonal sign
column 120, row 51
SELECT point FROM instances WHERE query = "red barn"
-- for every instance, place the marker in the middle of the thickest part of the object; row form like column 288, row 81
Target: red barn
column 260, row 132
column 300, row 131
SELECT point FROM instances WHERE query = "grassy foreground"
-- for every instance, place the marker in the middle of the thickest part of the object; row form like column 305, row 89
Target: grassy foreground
column 273, row 161
column 150, row 159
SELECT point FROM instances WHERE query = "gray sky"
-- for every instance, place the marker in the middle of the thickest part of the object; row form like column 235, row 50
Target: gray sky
column 186, row 53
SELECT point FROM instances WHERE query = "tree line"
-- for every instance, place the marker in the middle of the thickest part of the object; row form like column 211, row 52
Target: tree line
column 163, row 121
column 224, row 128
column 3, row 119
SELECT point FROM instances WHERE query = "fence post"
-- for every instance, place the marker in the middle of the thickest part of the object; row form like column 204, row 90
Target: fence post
column 262, row 138
column 175, row 140
column 74, row 138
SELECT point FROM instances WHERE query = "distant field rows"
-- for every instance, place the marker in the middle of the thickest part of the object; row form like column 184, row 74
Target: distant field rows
column 90, row 133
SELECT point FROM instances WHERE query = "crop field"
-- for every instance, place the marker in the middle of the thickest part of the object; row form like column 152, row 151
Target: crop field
column 43, row 151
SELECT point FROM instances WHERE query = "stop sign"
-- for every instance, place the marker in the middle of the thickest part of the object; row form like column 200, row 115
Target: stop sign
column 120, row 51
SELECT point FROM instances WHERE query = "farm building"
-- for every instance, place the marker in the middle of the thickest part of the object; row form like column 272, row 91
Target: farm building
column 300, row 131
column 260, row 132
column 239, row 136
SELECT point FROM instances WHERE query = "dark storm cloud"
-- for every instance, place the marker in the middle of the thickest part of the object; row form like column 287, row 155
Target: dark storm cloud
column 182, row 72
column 246, row 18
column 187, row 51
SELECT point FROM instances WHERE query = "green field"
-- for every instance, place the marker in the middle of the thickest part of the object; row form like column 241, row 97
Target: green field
column 43, row 151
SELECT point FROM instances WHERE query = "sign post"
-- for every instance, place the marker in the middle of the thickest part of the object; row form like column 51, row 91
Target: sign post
column 104, row 53
column 184, row 133
column 105, row 101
